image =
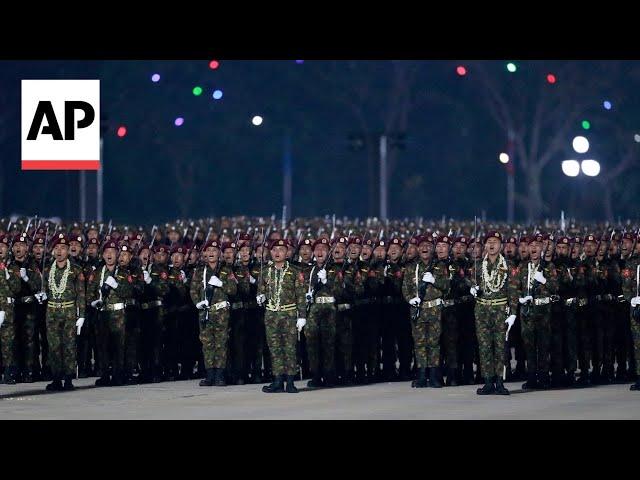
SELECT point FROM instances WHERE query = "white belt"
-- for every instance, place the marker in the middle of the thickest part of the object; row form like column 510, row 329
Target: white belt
column 432, row 303
column 220, row 305
column 10, row 300
column 325, row 300
column 542, row 301
column 343, row 306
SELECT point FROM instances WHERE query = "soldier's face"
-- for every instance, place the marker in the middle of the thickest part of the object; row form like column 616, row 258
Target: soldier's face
column 19, row 250
column 4, row 250
column 577, row 250
column 177, row 259
column 477, row 250
column 459, row 249
column 613, row 248
column 193, row 256
column 109, row 256
column 412, row 251
column 92, row 251
column 339, row 251
column 426, row 250
column 245, row 254
column 563, row 249
column 442, row 250
column 37, row 251
column 61, row 252
column 306, row 253
column 321, row 252
column 366, row 252
column 74, row 249
column 143, row 256
column 174, row 236
column 160, row 257
column 627, row 244
column 493, row 246
column 510, row 250
column 534, row 250
column 394, row 252
column 124, row 258
column 637, row 248
column 290, row 251
column 92, row 234
column 379, row 253
column 212, row 254
column 590, row 248
column 228, row 255
column 523, row 250
column 279, row 253
column 354, row 251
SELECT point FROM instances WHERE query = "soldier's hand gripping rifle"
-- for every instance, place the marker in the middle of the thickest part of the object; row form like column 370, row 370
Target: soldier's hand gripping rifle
column 422, row 291
column 311, row 293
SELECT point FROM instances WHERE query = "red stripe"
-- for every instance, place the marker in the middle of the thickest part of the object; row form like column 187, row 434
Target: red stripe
column 60, row 164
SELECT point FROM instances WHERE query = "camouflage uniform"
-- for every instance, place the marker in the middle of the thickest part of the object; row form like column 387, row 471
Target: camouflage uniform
column 344, row 321
column 281, row 314
column 152, row 322
column 62, row 313
column 630, row 278
column 237, row 360
column 458, row 332
column 178, row 306
column 563, row 327
column 214, row 332
column 9, row 286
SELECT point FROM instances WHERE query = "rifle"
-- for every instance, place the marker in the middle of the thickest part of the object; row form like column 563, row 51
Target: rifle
column 422, row 290
column 475, row 257
column 44, row 254
column 311, row 293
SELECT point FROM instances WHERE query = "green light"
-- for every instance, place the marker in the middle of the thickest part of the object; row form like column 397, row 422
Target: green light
column 197, row 91
column 511, row 67
column 586, row 125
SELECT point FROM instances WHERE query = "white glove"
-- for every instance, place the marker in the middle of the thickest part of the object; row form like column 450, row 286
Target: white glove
column 147, row 277
column 23, row 274
column 79, row 324
column 309, row 297
column 511, row 319
column 540, row 278
column 428, row 278
column 473, row 291
column 2, row 314
column 183, row 276
column 386, row 267
column 111, row 282
column 6, row 273
column 322, row 276
column 300, row 323
column 215, row 281
column 261, row 299
column 251, row 279
column 415, row 301
column 202, row 305
column 635, row 301
column 96, row 303
column 526, row 299
column 41, row 296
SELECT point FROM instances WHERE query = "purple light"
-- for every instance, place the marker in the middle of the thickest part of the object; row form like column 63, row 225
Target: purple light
column 155, row 78
column 299, row 62
column 179, row 121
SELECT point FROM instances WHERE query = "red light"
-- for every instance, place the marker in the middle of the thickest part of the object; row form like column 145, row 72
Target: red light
column 461, row 71
column 122, row 131
column 213, row 64
column 551, row 78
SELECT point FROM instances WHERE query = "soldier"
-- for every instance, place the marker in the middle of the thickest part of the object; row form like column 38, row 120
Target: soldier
column 586, row 282
column 533, row 287
column 449, row 321
column 90, row 329
column 425, row 283
column 41, row 345
column 631, row 291
column 281, row 291
column 65, row 290
column 9, row 287
column 323, row 286
column 26, row 269
column 177, row 302
column 305, row 263
column 132, row 312
column 492, row 313
column 108, row 290
column 211, row 286
column 624, row 339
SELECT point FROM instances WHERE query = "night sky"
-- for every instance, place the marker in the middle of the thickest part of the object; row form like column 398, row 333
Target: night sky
column 218, row 163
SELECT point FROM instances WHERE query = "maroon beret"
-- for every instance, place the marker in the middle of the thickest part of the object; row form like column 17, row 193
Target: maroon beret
column 160, row 248
column 281, row 242
column 109, row 244
column 462, row 239
column 355, row 241
column 443, row 239
column 564, row 240
column 513, row 240
column 590, row 238
column 179, row 249
column 59, row 239
column 493, row 234
column 21, row 238
column 395, row 241
column 321, row 241
column 226, row 245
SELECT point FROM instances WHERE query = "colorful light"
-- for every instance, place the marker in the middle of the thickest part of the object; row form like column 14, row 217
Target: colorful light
column 636, row 138
column 580, row 144
column 551, row 78
column 257, row 120
column 197, row 91
column 213, row 64
column 179, row 121
column 122, row 131
column 586, row 124
column 511, row 67
column 155, row 78
column 217, row 94
column 607, row 105
column 299, row 62
column 591, row 168
column 571, row 168
column 504, row 158
column 462, row 71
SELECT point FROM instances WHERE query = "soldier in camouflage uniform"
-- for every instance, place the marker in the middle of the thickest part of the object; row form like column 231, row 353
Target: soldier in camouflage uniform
column 631, row 291
column 211, row 286
column 281, row 289
column 305, row 263
column 492, row 312
column 132, row 311
column 65, row 290
column 426, row 282
column 450, row 330
column 463, row 301
column 533, row 286
column 108, row 290
column 9, row 286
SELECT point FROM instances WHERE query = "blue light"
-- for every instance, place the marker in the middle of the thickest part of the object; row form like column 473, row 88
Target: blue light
column 299, row 62
column 155, row 78
column 217, row 94
column 607, row 105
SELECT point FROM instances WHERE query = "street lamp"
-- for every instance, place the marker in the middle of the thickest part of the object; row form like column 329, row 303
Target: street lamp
column 571, row 168
column 580, row 144
column 590, row 168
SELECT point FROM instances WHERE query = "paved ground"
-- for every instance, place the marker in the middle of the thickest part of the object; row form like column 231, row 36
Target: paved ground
column 187, row 400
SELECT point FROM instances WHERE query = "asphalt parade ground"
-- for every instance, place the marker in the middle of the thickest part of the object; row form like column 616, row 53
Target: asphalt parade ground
column 397, row 400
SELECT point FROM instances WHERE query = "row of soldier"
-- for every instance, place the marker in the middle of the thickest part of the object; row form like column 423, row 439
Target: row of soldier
column 238, row 307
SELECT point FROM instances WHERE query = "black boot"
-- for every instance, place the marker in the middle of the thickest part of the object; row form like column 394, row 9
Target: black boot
column 28, row 377
column 531, row 383
column 636, row 386
column 452, row 380
column 257, row 376
column 291, row 388
column 10, row 375
column 434, row 378
column 219, row 378
column 570, row 379
column 56, row 385
column 68, row 384
column 210, row 379
column 330, row 380
column 103, row 381
column 276, row 387
column 315, row 382
column 488, row 387
column 500, row 388
column 421, row 381
column 583, row 379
